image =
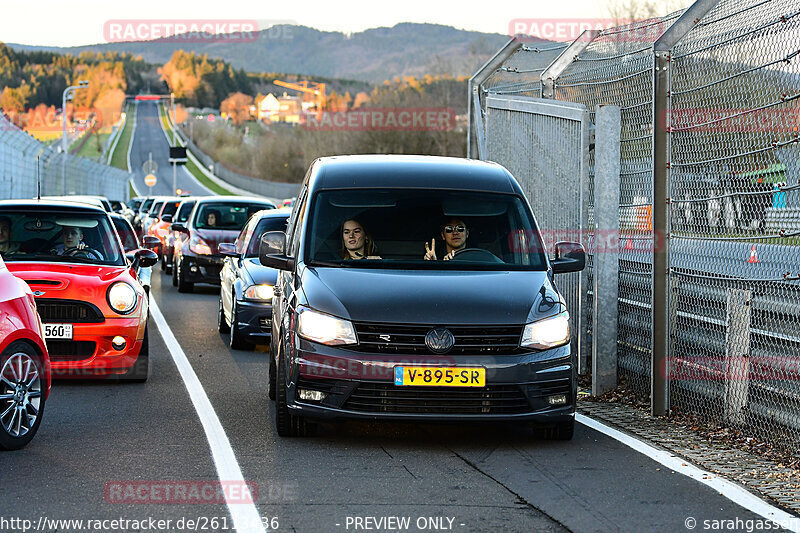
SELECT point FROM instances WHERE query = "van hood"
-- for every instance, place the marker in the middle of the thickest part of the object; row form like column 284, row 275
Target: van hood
column 430, row 297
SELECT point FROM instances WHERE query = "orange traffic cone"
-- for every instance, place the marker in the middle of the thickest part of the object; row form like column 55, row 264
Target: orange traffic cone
column 753, row 256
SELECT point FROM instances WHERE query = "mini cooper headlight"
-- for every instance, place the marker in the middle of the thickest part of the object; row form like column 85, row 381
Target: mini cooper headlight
column 259, row 293
column 325, row 329
column 547, row 333
column 122, row 297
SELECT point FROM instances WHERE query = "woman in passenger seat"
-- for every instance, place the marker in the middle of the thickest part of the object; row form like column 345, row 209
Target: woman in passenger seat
column 356, row 242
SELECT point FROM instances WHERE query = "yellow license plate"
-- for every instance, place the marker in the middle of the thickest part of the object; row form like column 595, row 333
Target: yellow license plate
column 434, row 376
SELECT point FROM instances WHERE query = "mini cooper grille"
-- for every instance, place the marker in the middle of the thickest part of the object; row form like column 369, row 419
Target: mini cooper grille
column 70, row 350
column 388, row 398
column 71, row 311
column 410, row 339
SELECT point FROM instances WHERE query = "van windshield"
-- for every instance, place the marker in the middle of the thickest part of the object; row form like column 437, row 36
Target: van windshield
column 415, row 228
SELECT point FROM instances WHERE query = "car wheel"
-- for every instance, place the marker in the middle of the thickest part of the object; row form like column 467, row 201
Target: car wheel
column 560, row 431
column 174, row 272
column 222, row 323
column 287, row 424
column 21, row 395
column 183, row 285
column 272, row 378
column 140, row 370
column 238, row 340
column 163, row 263
column 167, row 266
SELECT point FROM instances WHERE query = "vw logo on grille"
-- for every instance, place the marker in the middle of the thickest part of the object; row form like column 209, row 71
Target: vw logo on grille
column 439, row 340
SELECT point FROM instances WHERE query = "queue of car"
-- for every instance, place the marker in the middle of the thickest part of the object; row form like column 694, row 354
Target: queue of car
column 454, row 317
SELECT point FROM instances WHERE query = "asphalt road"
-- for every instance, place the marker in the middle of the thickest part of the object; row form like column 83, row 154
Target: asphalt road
column 100, row 435
column 485, row 478
column 149, row 139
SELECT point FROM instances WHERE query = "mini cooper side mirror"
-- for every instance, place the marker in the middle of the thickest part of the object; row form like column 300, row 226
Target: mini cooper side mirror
column 142, row 258
column 147, row 258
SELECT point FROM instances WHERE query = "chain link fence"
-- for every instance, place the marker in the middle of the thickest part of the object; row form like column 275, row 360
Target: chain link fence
column 58, row 173
column 730, row 117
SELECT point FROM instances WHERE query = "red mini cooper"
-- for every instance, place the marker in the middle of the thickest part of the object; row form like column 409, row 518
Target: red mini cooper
column 93, row 307
column 24, row 364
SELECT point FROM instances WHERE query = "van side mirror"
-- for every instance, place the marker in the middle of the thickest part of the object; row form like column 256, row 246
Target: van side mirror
column 166, row 218
column 177, row 226
column 271, row 251
column 569, row 257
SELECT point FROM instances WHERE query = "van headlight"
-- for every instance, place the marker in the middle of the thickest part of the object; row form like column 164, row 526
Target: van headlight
column 547, row 333
column 258, row 293
column 325, row 329
column 121, row 297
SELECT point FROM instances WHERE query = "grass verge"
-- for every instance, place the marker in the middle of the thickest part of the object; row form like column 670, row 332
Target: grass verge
column 119, row 158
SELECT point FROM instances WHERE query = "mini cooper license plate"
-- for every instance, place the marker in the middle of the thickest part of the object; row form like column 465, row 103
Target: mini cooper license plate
column 428, row 376
column 58, row 331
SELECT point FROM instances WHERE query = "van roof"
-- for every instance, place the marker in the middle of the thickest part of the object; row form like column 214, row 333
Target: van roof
column 412, row 171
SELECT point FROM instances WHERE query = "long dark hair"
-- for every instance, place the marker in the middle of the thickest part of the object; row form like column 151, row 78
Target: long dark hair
column 369, row 244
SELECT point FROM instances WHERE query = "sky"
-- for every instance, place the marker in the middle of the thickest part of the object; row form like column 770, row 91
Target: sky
column 81, row 22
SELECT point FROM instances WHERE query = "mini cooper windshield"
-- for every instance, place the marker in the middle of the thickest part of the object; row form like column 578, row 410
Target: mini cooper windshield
column 68, row 237
column 415, row 228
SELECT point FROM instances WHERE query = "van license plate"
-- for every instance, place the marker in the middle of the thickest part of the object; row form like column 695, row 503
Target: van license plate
column 58, row 331
column 435, row 376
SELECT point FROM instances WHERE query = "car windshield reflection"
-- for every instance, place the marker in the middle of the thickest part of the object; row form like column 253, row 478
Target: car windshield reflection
column 59, row 237
column 424, row 229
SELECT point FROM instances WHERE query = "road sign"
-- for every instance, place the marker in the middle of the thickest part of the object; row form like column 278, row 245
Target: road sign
column 150, row 180
column 177, row 155
column 150, row 166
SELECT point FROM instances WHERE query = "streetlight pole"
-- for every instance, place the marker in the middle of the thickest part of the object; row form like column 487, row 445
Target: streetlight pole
column 67, row 95
column 174, row 143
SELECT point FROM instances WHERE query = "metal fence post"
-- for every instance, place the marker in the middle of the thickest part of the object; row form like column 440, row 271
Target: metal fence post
column 659, row 370
column 476, row 141
column 608, row 120
column 564, row 59
column 659, row 388
column 737, row 355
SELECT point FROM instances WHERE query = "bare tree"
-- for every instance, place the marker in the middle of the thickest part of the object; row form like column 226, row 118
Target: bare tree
column 627, row 11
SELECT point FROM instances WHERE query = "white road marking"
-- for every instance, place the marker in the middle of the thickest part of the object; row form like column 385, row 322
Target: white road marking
column 245, row 515
column 728, row 489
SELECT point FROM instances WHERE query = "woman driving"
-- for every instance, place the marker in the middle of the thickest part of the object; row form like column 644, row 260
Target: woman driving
column 356, row 242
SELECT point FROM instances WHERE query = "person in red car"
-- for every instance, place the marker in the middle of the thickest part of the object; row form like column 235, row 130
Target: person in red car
column 73, row 244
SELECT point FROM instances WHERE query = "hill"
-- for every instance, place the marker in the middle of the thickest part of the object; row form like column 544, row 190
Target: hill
column 373, row 55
